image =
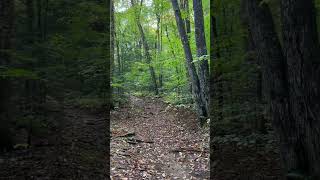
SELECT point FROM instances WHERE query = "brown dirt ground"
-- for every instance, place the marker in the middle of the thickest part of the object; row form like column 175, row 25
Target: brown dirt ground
column 167, row 142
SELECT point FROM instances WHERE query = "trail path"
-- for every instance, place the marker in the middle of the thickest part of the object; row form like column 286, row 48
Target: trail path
column 151, row 140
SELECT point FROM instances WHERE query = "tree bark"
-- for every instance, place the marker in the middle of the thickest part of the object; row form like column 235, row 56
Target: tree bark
column 112, row 49
column 158, row 44
column 196, row 89
column 118, row 54
column 146, row 51
column 174, row 56
column 117, row 48
column 216, row 74
column 108, row 90
column 298, row 145
column 301, row 48
column 212, row 90
column 201, row 51
column 184, row 4
column 258, row 124
column 185, row 7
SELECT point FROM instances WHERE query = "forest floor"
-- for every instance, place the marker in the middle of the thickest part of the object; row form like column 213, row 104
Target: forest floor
column 150, row 140
column 73, row 148
column 153, row 140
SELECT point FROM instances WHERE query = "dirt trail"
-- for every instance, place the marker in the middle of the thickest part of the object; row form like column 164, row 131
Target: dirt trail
column 74, row 149
column 153, row 141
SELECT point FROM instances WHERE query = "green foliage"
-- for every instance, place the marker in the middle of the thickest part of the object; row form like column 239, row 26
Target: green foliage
column 201, row 58
column 169, row 63
column 177, row 98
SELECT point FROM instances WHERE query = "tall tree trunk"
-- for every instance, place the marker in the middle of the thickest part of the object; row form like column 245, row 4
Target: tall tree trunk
column 216, row 72
column 146, row 49
column 112, row 48
column 117, row 48
column 201, row 51
column 275, row 76
column 212, row 90
column 174, row 57
column 118, row 54
column 184, row 4
column 108, row 93
column 258, row 124
column 196, row 89
column 185, row 7
column 158, row 31
column 301, row 48
column 6, row 34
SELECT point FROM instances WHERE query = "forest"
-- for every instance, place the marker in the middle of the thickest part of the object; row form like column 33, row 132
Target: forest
column 159, row 89
column 54, row 89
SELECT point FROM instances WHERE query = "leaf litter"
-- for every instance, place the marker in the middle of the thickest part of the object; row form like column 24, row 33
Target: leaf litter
column 164, row 142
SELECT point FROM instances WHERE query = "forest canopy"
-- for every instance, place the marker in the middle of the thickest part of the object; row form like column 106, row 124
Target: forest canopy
column 131, row 69
column 247, row 69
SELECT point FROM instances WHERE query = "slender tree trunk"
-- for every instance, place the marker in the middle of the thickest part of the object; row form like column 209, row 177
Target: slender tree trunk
column 112, row 48
column 160, row 50
column 201, row 51
column 185, row 7
column 158, row 16
column 301, row 48
column 6, row 35
column 146, row 49
column 196, row 89
column 119, row 71
column 118, row 54
column 170, row 43
column 184, row 4
column 174, row 56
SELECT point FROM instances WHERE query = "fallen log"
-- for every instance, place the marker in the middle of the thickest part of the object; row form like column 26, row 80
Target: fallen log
column 136, row 141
